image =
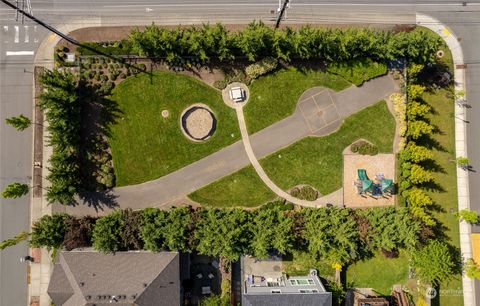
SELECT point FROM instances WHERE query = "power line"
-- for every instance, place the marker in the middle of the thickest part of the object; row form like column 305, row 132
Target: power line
column 68, row 38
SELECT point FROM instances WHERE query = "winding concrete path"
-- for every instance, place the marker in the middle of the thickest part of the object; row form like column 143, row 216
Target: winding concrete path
column 319, row 112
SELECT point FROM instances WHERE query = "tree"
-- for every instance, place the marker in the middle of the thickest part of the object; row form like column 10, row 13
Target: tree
column 271, row 230
column 214, row 300
column 15, row 190
column 14, row 241
column 463, row 162
column 418, row 175
column 167, row 230
column 78, row 233
column 107, row 233
column 339, row 246
column 417, row 109
column 416, row 153
column 391, row 229
column 467, row 215
column 414, row 71
column 223, row 233
column 471, row 269
column 415, row 91
column 434, row 262
column 419, row 128
column 19, row 122
column 49, row 231
column 420, row 204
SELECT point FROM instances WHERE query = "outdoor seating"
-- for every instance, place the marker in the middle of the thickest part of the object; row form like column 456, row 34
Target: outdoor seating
column 362, row 174
column 387, row 186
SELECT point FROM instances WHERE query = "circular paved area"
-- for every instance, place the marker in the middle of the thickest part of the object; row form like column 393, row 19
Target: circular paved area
column 230, row 102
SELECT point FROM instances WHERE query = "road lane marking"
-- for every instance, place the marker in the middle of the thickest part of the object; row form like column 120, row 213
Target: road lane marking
column 5, row 29
column 17, row 35
column 26, row 34
column 8, row 53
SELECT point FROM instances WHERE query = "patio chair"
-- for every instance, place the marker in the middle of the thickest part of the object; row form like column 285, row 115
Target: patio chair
column 367, row 185
column 362, row 174
column 387, row 186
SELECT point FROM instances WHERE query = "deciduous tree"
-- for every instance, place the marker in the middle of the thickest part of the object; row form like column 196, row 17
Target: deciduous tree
column 19, row 122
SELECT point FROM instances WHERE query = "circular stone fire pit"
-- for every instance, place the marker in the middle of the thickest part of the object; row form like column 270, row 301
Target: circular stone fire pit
column 198, row 122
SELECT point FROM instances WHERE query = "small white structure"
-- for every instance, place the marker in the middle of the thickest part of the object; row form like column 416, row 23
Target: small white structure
column 237, row 94
column 70, row 58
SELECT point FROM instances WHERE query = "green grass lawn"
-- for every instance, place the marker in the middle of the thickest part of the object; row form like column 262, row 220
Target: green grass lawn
column 145, row 145
column 358, row 71
column 316, row 161
column 446, row 196
column 274, row 97
column 300, row 263
column 379, row 273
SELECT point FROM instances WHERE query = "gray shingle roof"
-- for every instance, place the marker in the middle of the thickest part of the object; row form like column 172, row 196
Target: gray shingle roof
column 86, row 277
column 320, row 299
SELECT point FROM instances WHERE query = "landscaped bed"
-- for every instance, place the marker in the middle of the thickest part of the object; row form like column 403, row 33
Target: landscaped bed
column 144, row 144
column 316, row 161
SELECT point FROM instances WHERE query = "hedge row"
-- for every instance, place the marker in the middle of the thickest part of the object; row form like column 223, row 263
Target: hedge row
column 338, row 235
column 62, row 111
column 414, row 156
column 258, row 41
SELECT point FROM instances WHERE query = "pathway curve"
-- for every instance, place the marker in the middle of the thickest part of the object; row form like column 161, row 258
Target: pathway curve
column 310, row 118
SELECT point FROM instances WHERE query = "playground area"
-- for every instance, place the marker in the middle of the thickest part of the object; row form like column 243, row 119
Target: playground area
column 368, row 180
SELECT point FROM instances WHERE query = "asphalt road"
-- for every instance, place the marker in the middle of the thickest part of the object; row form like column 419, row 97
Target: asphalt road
column 16, row 81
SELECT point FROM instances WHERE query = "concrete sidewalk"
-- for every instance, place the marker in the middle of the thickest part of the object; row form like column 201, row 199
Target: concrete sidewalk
column 165, row 190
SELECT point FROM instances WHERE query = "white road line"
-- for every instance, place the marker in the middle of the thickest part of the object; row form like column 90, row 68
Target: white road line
column 17, row 35
column 35, row 39
column 19, row 53
column 27, row 38
column 5, row 29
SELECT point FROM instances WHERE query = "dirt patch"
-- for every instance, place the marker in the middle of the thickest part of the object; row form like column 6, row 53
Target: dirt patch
column 198, row 122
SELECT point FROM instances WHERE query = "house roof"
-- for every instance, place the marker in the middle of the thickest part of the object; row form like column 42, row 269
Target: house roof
column 86, row 277
column 315, row 299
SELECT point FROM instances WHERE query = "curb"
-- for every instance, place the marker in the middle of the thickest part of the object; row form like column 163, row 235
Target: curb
column 460, row 143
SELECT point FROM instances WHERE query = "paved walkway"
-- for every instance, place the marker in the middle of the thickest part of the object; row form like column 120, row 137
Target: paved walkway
column 163, row 191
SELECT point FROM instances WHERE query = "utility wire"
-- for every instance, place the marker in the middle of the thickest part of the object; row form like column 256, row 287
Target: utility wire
column 68, row 38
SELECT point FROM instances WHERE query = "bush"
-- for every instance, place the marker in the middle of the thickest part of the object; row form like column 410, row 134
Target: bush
column 261, row 67
column 304, row 193
column 78, row 233
column 108, row 231
column 364, row 148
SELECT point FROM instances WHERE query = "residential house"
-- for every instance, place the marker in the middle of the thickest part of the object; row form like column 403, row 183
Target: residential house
column 86, row 277
column 264, row 283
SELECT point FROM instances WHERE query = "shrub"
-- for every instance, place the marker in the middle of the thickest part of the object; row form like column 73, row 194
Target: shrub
column 261, row 67
column 364, row 148
column 78, row 233
column 418, row 175
column 108, row 231
column 400, row 108
column 304, row 193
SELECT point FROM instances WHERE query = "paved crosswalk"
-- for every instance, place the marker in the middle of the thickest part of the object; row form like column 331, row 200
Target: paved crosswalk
column 19, row 39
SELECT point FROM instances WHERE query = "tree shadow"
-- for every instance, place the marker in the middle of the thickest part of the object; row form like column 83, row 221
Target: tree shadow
column 432, row 186
column 432, row 165
column 99, row 200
